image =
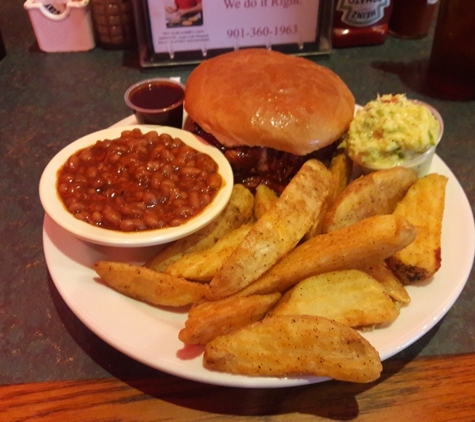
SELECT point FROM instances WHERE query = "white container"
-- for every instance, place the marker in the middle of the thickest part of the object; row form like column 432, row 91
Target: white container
column 61, row 25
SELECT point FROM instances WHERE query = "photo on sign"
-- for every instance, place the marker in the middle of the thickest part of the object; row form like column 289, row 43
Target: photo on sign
column 183, row 13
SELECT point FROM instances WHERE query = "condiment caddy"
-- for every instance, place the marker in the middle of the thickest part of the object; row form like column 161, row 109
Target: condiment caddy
column 61, row 26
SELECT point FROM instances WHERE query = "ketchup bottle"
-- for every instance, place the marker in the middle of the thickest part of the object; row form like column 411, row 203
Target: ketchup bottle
column 360, row 22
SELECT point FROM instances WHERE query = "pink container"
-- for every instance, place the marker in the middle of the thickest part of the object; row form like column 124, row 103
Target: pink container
column 61, row 25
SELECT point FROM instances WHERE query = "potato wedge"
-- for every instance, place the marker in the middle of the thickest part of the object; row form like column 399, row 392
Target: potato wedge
column 276, row 232
column 317, row 227
column 295, row 345
column 340, row 167
column 351, row 297
column 209, row 320
column 423, row 206
column 204, row 265
column 374, row 194
column 375, row 238
column 391, row 284
column 264, row 198
column 149, row 286
column 236, row 213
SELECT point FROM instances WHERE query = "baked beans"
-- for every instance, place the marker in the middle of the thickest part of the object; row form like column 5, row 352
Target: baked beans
column 138, row 182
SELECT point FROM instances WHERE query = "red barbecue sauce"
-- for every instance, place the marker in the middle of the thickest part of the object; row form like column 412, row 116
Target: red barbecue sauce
column 156, row 95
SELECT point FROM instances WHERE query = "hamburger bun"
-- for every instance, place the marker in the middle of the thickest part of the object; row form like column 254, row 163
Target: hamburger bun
column 262, row 98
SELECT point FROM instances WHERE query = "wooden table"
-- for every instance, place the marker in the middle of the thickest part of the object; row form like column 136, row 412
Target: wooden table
column 425, row 389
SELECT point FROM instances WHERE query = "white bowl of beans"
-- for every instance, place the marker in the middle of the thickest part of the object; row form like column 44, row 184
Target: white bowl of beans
column 136, row 185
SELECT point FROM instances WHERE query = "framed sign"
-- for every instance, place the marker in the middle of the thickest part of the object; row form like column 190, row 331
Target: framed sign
column 175, row 32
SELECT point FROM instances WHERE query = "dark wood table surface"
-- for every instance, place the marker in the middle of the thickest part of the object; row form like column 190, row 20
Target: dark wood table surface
column 52, row 367
column 424, row 389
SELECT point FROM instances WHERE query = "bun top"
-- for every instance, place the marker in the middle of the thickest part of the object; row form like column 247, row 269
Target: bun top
column 258, row 97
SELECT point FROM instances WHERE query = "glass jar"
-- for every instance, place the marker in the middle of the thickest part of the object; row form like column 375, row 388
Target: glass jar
column 360, row 22
column 3, row 51
column 412, row 18
column 113, row 22
column 451, row 70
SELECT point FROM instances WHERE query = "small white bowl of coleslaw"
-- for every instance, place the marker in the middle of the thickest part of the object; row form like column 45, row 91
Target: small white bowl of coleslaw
column 394, row 131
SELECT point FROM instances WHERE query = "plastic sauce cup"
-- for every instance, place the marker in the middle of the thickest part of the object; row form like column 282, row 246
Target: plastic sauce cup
column 157, row 101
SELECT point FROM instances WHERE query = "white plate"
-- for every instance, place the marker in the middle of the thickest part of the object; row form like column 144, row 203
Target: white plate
column 149, row 334
column 54, row 207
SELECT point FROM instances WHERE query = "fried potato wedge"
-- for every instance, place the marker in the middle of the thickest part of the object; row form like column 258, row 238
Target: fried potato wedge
column 391, row 284
column 317, row 227
column 276, row 232
column 374, row 194
column 351, row 297
column 149, row 286
column 288, row 345
column 423, row 206
column 209, row 320
column 238, row 211
column 203, row 266
column 340, row 167
column 375, row 238
column 264, row 198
